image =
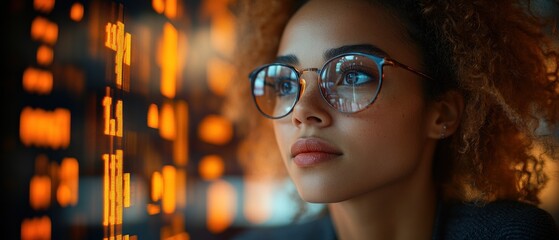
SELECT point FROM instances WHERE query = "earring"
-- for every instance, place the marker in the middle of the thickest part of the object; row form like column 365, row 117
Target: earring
column 443, row 132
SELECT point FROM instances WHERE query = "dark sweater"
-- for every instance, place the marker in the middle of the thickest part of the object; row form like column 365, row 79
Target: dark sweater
column 497, row 220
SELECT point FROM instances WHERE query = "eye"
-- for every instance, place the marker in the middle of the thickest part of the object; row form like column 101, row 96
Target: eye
column 355, row 78
column 355, row 75
column 355, row 72
column 286, row 87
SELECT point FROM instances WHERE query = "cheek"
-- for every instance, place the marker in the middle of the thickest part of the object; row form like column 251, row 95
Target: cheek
column 390, row 135
column 283, row 132
column 400, row 115
column 390, row 149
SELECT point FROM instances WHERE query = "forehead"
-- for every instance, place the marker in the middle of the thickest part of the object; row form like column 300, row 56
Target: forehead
column 321, row 25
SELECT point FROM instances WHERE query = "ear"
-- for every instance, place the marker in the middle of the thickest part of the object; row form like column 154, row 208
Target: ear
column 446, row 115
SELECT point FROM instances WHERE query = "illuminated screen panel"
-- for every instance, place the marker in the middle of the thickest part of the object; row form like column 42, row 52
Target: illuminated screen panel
column 115, row 128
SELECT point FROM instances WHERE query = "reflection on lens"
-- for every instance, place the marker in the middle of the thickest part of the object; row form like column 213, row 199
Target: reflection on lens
column 275, row 90
column 258, row 87
column 350, row 83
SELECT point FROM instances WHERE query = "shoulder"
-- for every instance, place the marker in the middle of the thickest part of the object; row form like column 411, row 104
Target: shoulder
column 498, row 220
column 319, row 229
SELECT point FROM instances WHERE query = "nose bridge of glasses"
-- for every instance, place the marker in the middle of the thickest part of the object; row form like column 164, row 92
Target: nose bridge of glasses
column 304, row 74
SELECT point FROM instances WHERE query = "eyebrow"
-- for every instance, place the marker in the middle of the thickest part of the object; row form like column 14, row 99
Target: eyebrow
column 290, row 59
column 360, row 48
column 330, row 53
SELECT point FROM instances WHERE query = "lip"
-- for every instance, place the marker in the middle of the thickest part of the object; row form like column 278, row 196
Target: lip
column 308, row 152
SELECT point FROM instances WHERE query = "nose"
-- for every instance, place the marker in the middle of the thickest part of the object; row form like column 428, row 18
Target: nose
column 311, row 109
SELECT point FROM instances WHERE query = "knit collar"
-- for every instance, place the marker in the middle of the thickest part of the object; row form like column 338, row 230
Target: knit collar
column 437, row 224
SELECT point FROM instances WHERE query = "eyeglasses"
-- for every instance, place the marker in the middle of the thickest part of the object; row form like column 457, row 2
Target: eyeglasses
column 349, row 83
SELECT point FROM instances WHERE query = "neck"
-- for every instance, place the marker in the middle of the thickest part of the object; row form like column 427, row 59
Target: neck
column 403, row 210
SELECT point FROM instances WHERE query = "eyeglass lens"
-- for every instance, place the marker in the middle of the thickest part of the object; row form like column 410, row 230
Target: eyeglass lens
column 348, row 83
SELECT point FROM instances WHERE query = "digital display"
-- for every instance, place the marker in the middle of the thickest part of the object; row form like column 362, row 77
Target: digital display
column 113, row 126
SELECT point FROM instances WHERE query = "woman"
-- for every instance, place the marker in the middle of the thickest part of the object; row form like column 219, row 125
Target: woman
column 408, row 119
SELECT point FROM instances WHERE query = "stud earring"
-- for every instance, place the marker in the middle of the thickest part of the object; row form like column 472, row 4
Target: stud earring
column 443, row 132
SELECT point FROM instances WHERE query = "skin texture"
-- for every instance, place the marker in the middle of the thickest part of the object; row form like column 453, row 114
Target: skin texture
column 493, row 54
column 380, row 184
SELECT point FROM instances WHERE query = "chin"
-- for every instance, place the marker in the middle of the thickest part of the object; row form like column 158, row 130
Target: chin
column 319, row 195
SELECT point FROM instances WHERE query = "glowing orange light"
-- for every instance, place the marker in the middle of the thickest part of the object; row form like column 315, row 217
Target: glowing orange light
column 67, row 193
column 214, row 6
column 37, row 81
column 38, row 27
column 126, row 189
column 215, row 130
column 109, row 122
column 44, row 30
column 111, row 35
column 45, row 128
column 153, row 116
column 221, row 206
column 220, row 74
column 76, row 12
column 119, row 205
column 106, row 189
column 118, row 115
column 156, row 186
column 38, row 228
column 63, row 195
column 169, row 189
column 167, row 127
column 171, row 9
column 153, row 209
column 211, row 167
column 115, row 188
column 158, row 6
column 119, row 41
column 43, row 5
column 112, row 126
column 39, row 192
column 44, row 55
column 169, row 60
column 180, row 147
column 116, row 183
column 51, row 34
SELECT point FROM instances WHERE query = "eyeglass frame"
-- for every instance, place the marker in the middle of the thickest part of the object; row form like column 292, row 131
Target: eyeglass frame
column 381, row 61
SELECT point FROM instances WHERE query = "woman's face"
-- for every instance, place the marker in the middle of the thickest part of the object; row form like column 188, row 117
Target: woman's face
column 333, row 156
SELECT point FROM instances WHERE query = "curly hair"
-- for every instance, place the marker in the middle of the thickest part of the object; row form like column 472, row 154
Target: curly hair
column 498, row 54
